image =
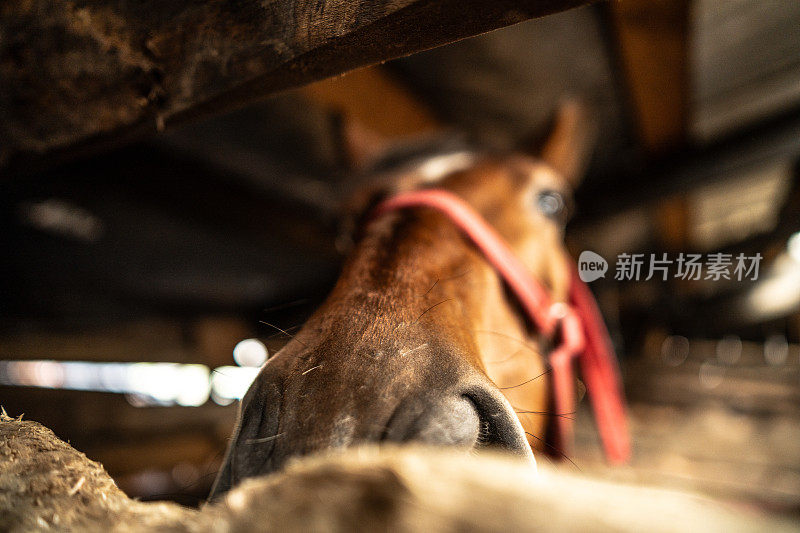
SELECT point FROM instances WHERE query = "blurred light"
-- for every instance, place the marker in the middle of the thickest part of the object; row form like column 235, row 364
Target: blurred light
column 48, row 374
column 675, row 350
column 779, row 293
column 776, row 350
column 148, row 383
column 250, row 352
column 170, row 383
column 64, row 218
column 729, row 349
column 137, row 400
column 711, row 374
column 229, row 383
column 194, row 386
column 794, row 246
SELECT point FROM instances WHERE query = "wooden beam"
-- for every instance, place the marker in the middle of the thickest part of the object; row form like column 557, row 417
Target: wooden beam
column 83, row 73
column 652, row 43
column 775, row 140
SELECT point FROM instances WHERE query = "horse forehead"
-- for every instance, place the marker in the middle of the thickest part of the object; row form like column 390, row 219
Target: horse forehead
column 438, row 167
column 505, row 177
column 545, row 176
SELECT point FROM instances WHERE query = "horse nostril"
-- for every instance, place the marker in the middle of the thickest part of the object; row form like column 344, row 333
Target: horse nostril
column 499, row 425
column 250, row 452
column 449, row 421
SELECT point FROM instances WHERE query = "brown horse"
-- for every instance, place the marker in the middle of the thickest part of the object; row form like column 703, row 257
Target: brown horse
column 419, row 339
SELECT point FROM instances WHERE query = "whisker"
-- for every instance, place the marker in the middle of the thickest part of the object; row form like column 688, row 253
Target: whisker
column 207, row 472
column 220, row 372
column 420, row 347
column 543, row 413
column 288, row 330
column 295, row 327
column 284, row 332
column 559, row 452
column 456, row 276
column 263, row 439
column 431, row 308
column 278, row 307
column 432, row 286
column 310, row 369
column 232, row 480
column 524, row 343
column 547, row 458
column 504, row 360
column 526, row 381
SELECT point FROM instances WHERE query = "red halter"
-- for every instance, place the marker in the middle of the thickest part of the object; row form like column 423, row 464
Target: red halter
column 582, row 331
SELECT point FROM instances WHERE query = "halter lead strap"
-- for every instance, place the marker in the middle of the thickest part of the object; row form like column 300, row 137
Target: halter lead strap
column 582, row 331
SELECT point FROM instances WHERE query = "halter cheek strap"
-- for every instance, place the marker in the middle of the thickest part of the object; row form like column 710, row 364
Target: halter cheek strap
column 578, row 324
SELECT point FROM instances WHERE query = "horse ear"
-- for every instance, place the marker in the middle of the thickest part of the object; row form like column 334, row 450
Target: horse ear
column 570, row 144
column 360, row 145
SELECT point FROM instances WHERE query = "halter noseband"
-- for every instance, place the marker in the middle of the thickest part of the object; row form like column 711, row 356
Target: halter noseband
column 578, row 325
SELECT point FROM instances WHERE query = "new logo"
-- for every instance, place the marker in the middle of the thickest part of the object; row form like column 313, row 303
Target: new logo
column 591, row 266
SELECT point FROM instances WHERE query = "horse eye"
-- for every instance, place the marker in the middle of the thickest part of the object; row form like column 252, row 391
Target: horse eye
column 551, row 204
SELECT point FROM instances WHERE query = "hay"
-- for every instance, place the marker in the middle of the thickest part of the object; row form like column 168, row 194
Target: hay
column 47, row 485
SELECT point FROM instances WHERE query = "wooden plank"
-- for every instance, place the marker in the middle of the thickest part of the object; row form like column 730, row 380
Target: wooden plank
column 652, row 42
column 136, row 341
column 775, row 140
column 208, row 340
column 741, row 80
column 83, row 73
